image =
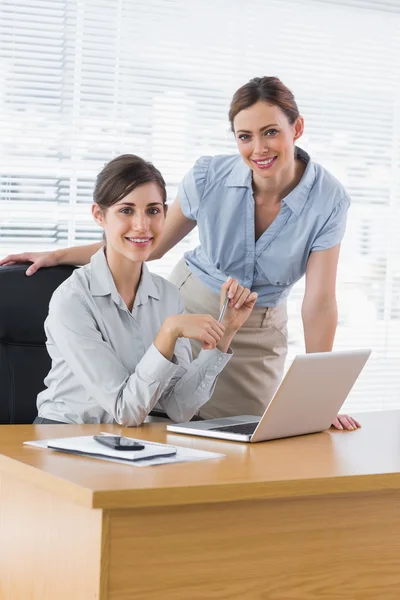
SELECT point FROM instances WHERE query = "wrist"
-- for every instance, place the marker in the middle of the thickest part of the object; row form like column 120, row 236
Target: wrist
column 59, row 256
column 170, row 328
column 226, row 339
column 229, row 331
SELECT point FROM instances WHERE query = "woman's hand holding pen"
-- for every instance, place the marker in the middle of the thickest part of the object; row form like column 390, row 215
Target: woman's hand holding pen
column 197, row 327
column 241, row 302
column 205, row 328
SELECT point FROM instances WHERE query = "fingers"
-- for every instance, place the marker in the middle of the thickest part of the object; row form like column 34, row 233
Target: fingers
column 225, row 287
column 207, row 346
column 246, row 298
column 11, row 259
column 210, row 331
column 3, row 263
column 252, row 299
column 232, row 291
column 216, row 325
column 231, row 287
column 14, row 259
column 337, row 424
column 237, row 294
column 33, row 268
column 209, row 341
column 346, row 422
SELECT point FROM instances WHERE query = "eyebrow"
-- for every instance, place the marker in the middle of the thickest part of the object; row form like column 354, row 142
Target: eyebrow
column 261, row 128
column 133, row 204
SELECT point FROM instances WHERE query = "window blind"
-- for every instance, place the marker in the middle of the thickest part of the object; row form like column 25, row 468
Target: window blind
column 83, row 81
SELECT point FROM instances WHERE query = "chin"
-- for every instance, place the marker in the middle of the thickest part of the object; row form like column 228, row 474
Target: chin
column 138, row 255
column 133, row 254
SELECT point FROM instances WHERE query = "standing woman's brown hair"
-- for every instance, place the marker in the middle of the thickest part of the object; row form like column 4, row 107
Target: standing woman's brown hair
column 267, row 89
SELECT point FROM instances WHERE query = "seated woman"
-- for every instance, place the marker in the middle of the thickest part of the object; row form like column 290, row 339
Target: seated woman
column 116, row 333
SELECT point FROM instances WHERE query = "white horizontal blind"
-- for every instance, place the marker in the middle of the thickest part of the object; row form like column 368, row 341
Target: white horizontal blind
column 82, row 81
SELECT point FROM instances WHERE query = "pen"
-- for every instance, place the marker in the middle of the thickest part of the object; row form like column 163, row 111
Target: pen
column 223, row 309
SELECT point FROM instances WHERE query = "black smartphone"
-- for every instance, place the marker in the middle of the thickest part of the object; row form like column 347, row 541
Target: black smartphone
column 117, row 442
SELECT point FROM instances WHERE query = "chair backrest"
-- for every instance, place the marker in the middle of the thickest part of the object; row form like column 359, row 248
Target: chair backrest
column 24, row 362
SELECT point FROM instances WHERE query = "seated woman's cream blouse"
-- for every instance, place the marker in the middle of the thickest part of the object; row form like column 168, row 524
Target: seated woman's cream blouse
column 105, row 367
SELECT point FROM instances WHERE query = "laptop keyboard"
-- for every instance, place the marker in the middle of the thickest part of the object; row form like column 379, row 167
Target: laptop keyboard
column 243, row 428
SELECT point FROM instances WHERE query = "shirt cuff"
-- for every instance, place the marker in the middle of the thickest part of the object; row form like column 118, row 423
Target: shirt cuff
column 214, row 359
column 156, row 367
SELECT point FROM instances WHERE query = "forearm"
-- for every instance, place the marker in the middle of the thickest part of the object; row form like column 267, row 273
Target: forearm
column 320, row 323
column 78, row 255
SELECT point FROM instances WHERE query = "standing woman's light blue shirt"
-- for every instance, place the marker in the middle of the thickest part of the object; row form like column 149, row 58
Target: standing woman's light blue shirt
column 217, row 193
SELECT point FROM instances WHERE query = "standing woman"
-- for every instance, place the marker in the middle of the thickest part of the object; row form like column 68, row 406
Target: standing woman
column 266, row 217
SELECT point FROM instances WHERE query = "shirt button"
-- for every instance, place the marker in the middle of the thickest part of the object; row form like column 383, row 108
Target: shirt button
column 220, row 360
column 203, row 385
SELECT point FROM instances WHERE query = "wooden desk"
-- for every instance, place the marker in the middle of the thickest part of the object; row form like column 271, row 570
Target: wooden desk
column 314, row 517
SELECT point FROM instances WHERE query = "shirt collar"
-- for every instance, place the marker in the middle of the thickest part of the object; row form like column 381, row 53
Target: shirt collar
column 298, row 197
column 240, row 176
column 102, row 282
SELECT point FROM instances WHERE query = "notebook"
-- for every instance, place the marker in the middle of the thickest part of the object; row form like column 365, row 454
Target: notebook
column 154, row 457
column 87, row 446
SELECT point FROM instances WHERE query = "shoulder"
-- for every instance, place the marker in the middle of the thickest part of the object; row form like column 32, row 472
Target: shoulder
column 72, row 294
column 221, row 166
column 206, row 178
column 327, row 192
column 217, row 168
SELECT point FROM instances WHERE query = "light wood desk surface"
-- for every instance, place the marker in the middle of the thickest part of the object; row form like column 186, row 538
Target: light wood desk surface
column 331, row 462
column 309, row 517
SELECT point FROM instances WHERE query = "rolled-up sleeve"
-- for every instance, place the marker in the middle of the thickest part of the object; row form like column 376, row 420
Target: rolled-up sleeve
column 194, row 382
column 191, row 188
column 334, row 228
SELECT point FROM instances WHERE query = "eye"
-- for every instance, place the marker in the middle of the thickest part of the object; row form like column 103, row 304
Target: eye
column 126, row 211
column 271, row 132
column 153, row 211
column 243, row 137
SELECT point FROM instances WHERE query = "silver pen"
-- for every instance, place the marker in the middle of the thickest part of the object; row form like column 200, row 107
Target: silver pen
column 223, row 309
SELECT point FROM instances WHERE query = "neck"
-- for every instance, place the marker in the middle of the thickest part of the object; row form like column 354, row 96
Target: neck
column 126, row 274
column 274, row 189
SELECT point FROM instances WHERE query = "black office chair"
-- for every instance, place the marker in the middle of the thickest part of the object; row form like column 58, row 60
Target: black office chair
column 24, row 362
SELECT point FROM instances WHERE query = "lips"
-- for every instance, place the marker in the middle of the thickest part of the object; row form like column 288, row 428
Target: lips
column 139, row 242
column 265, row 163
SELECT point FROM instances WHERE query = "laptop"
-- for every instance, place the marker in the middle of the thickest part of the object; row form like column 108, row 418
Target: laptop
column 307, row 401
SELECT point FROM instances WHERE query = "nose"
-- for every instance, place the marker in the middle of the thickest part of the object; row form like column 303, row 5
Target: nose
column 140, row 222
column 260, row 145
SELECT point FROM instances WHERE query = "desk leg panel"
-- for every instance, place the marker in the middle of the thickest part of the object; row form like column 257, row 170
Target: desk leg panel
column 324, row 548
column 50, row 548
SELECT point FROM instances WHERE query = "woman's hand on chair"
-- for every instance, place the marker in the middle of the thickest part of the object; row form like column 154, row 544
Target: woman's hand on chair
column 39, row 260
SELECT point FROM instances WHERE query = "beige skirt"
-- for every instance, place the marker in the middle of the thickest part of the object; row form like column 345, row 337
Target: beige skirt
column 250, row 379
